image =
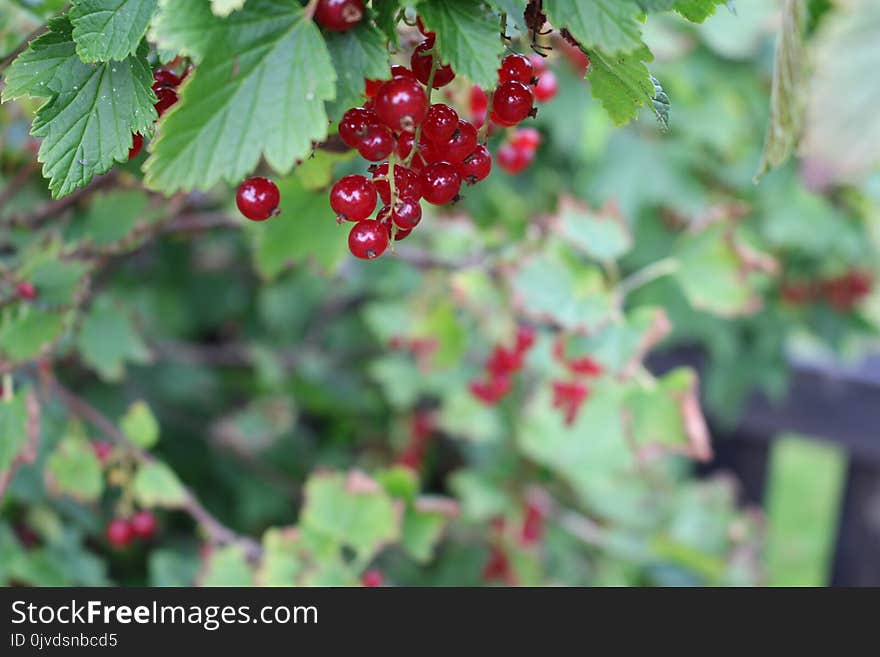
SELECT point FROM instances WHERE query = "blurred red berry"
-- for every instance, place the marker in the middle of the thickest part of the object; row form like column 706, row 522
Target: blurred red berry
column 372, row 578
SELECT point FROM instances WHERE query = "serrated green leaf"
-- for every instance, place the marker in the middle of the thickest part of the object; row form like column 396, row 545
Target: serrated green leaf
column 699, row 10
column 186, row 27
column 109, row 29
column 33, row 70
column 73, row 469
column 58, row 280
column 467, row 37
column 25, row 335
column 108, row 339
column 267, row 101
column 603, row 235
column 611, row 26
column 226, row 566
column 622, row 83
column 358, row 54
column 155, row 484
column 140, row 425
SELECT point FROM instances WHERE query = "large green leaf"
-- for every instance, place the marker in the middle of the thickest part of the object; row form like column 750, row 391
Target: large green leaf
column 358, row 54
column 73, row 469
column 109, row 29
column 27, row 334
column 108, row 339
column 266, row 101
column 622, row 84
column 155, row 484
column 608, row 25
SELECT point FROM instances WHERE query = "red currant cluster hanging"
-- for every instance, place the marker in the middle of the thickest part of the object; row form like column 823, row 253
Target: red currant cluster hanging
column 569, row 396
column 121, row 532
column 503, row 363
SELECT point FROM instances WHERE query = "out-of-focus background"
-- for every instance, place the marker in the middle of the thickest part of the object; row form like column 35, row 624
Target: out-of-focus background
column 285, row 414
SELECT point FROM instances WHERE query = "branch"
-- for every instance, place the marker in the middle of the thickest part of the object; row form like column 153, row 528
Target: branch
column 48, row 211
column 217, row 532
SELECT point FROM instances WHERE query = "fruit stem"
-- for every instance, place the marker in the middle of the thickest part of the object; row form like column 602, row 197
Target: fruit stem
column 418, row 133
column 310, row 9
column 646, row 275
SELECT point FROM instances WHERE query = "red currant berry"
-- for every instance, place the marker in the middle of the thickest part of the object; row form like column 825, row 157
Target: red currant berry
column 504, row 361
column 513, row 160
column 165, row 78
column 371, row 87
column 339, row 15
column 513, row 102
column 372, row 578
column 401, row 104
column 137, row 143
column 533, row 525
column 354, row 125
column 384, row 217
column 353, row 198
column 498, row 122
column 525, row 338
column 376, row 144
column 119, row 533
column 398, row 71
column 103, row 450
column 461, row 144
column 26, row 290
column 539, row 64
column 368, row 239
column 403, row 148
column 476, row 166
column 406, row 182
column 440, row 123
column 421, row 66
column 166, row 98
column 143, row 525
column 478, row 101
column 526, row 139
column 516, row 68
column 257, row 199
column 547, row 87
column 406, row 213
column 440, row 183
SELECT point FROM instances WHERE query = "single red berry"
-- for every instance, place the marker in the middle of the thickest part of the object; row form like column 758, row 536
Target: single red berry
column 504, row 361
column 119, row 533
column 478, row 101
column 103, row 450
column 526, row 139
column 401, row 104
column 497, row 121
column 440, row 183
column 137, row 143
column 406, row 213
column 422, row 29
column 497, row 568
column 165, row 78
column 440, row 123
column 585, row 365
column 394, row 231
column 516, row 68
column 476, row 166
column 368, row 239
column 533, row 525
column 143, row 525
column 513, row 160
column 353, row 198
column 547, row 87
column 354, row 125
column 539, row 64
column 461, row 144
column 406, row 182
column 513, row 102
column 166, row 97
column 372, row 578
column 371, row 87
column 376, row 144
column 26, row 290
column 421, row 65
column 525, row 338
column 339, row 15
column 257, row 199
column 492, row 391
column 569, row 397
column 398, row 71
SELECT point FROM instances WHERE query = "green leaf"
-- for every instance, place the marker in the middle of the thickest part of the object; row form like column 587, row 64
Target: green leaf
column 467, row 37
column 86, row 125
column 622, row 83
column 603, row 235
column 385, row 16
column 140, row 425
column 109, row 29
column 57, row 281
column 13, row 435
column 267, row 101
column 226, row 566
column 305, row 230
column 357, row 54
column 24, row 336
column 608, row 25
column 108, row 339
column 169, row 567
column 73, row 469
column 698, row 10
column 350, row 510
column 155, row 484
column 186, row 27
column 111, row 216
column 421, row 532
column 226, row 7
column 282, row 564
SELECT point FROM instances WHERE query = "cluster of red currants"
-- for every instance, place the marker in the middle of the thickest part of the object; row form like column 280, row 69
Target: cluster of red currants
column 122, row 532
column 518, row 152
column 502, row 364
column 165, row 83
column 569, row 396
column 841, row 292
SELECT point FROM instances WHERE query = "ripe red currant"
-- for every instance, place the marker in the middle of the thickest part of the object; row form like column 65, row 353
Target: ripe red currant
column 339, row 15
column 165, row 78
column 368, row 239
column 476, row 166
column 26, row 290
column 547, row 87
column 166, row 97
column 372, row 578
column 478, row 101
column 398, row 71
column 513, row 102
column 461, row 144
column 406, row 182
column 119, row 533
column 384, row 217
column 353, row 198
column 440, row 123
column 421, row 65
column 525, row 338
column 406, row 213
column 143, row 524
column 354, row 124
column 376, row 144
column 137, row 143
column 516, row 68
column 257, row 199
column 513, row 160
column 526, row 139
column 539, row 64
column 401, row 104
column 103, row 450
column 440, row 183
